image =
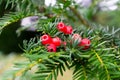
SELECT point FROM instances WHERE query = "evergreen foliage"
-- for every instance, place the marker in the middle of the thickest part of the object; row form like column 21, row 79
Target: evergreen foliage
column 100, row 62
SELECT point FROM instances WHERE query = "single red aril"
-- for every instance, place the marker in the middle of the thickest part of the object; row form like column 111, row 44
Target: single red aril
column 69, row 30
column 61, row 27
column 51, row 48
column 56, row 41
column 85, row 43
column 77, row 37
column 46, row 39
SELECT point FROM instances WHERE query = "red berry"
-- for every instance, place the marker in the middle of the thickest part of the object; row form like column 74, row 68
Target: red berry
column 46, row 39
column 77, row 37
column 51, row 48
column 85, row 43
column 69, row 30
column 61, row 27
column 56, row 41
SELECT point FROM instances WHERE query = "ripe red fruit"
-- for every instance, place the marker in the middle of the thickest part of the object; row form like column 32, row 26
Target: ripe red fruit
column 85, row 43
column 46, row 39
column 77, row 37
column 61, row 27
column 56, row 41
column 69, row 30
column 51, row 48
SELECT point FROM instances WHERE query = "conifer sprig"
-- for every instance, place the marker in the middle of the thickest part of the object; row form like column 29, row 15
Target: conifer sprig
column 98, row 62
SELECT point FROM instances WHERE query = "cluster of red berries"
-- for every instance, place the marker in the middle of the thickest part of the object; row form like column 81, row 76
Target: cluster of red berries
column 52, row 43
column 64, row 28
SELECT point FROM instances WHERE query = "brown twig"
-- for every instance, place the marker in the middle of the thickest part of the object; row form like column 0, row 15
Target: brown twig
column 80, row 16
